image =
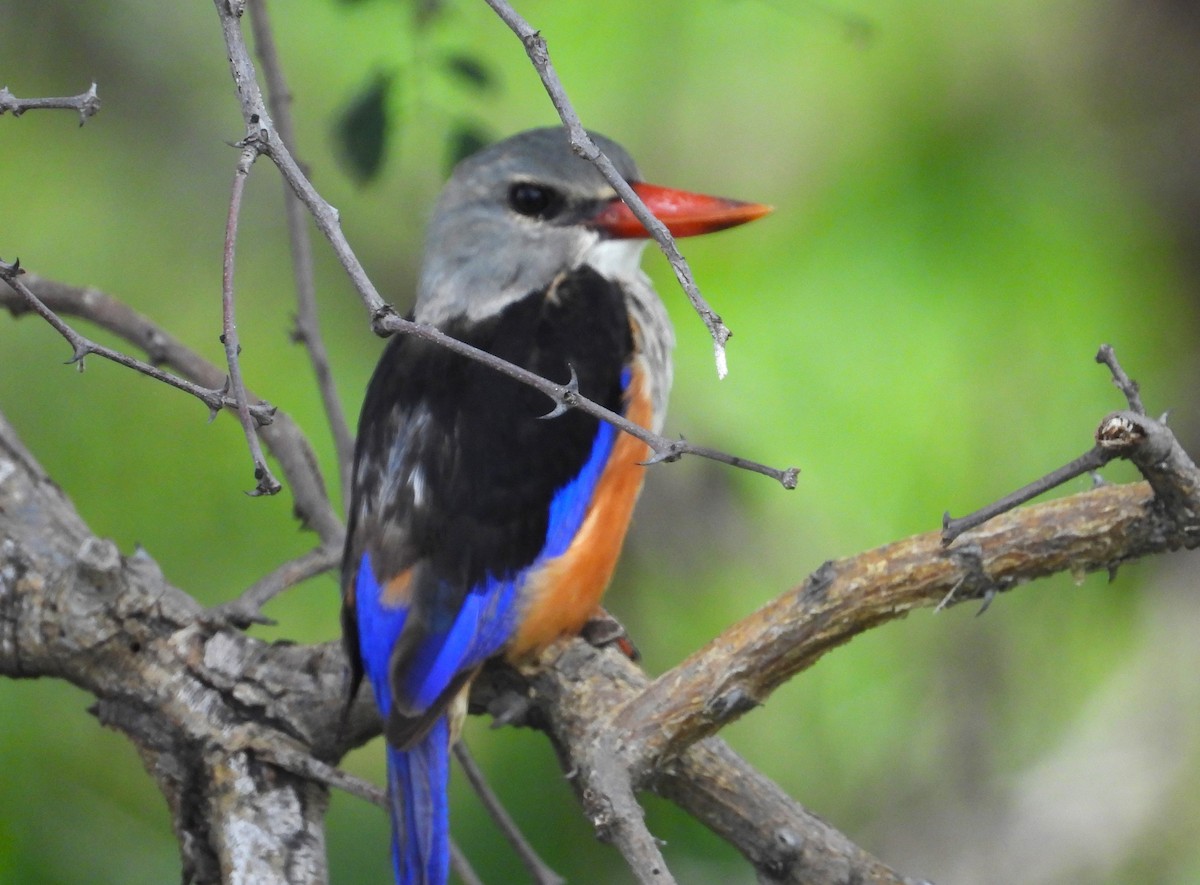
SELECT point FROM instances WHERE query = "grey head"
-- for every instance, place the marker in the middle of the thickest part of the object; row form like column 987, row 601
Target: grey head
column 512, row 218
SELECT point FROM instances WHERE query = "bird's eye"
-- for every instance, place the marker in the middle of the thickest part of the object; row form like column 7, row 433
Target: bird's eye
column 534, row 200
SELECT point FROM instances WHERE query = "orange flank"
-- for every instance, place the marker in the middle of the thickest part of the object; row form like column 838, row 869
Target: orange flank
column 398, row 591
column 565, row 592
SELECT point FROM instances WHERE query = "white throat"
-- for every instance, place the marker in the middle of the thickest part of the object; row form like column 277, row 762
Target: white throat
column 617, row 259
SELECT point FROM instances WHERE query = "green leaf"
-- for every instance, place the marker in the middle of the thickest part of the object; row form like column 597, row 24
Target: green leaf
column 465, row 139
column 471, row 70
column 361, row 132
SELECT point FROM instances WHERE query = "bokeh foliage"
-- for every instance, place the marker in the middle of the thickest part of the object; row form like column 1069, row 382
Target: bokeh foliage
column 959, row 224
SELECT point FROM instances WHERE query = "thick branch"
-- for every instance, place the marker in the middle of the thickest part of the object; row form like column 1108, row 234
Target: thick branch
column 189, row 697
column 1094, row 531
column 563, row 695
column 202, row 702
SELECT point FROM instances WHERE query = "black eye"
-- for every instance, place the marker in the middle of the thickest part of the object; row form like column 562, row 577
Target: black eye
column 534, row 200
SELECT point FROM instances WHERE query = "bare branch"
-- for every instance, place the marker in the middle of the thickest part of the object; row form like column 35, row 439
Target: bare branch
column 574, row 696
column 1128, row 387
column 261, row 132
column 179, row 686
column 1093, row 459
column 1131, row 435
column 567, row 396
column 214, row 398
column 247, row 608
column 308, row 327
column 539, row 55
column 86, row 103
column 266, row 483
column 284, row 439
column 537, row 868
column 1093, row 531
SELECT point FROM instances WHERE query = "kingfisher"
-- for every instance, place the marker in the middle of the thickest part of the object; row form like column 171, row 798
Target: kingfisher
column 483, row 522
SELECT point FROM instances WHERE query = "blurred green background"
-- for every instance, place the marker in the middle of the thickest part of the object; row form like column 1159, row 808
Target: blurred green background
column 970, row 198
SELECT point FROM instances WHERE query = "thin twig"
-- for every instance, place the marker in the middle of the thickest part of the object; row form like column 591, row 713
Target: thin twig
column 86, row 103
column 82, row 347
column 1093, row 459
column 1104, row 451
column 247, row 608
column 1129, row 388
column 308, row 327
column 567, row 396
column 301, row 763
column 284, row 439
column 539, row 55
column 305, row 765
column 537, row 868
column 462, row 867
column 266, row 483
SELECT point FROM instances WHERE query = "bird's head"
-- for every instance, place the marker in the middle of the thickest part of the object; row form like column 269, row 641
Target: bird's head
column 519, row 213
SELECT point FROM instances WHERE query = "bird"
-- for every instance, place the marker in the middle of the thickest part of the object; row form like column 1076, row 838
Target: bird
column 484, row 521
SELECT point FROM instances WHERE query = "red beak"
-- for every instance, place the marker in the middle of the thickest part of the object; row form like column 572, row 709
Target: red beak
column 685, row 214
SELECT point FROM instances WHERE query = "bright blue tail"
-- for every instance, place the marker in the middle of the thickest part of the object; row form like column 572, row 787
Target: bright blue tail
column 417, row 782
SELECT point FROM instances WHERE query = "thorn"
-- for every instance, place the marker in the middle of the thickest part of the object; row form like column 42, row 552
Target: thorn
column 379, row 320
column 667, row 456
column 988, row 595
column 949, row 597
column 567, row 401
column 81, row 350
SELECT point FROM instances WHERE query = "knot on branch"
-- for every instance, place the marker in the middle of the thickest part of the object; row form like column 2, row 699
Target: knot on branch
column 383, row 321
column 1130, row 435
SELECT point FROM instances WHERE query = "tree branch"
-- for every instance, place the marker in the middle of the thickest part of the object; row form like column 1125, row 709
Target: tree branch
column 82, row 347
column 188, row 696
column 562, row 696
column 87, row 104
column 283, row 437
column 265, row 482
column 308, row 326
column 567, row 396
column 539, row 55
column 207, row 706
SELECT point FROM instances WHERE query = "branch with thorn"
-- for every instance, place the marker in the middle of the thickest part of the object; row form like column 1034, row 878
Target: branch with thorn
column 1130, row 434
column 581, row 142
column 86, row 104
column 216, row 398
column 286, row 442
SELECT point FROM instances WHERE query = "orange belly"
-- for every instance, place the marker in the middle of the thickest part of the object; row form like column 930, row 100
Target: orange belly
column 565, row 591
